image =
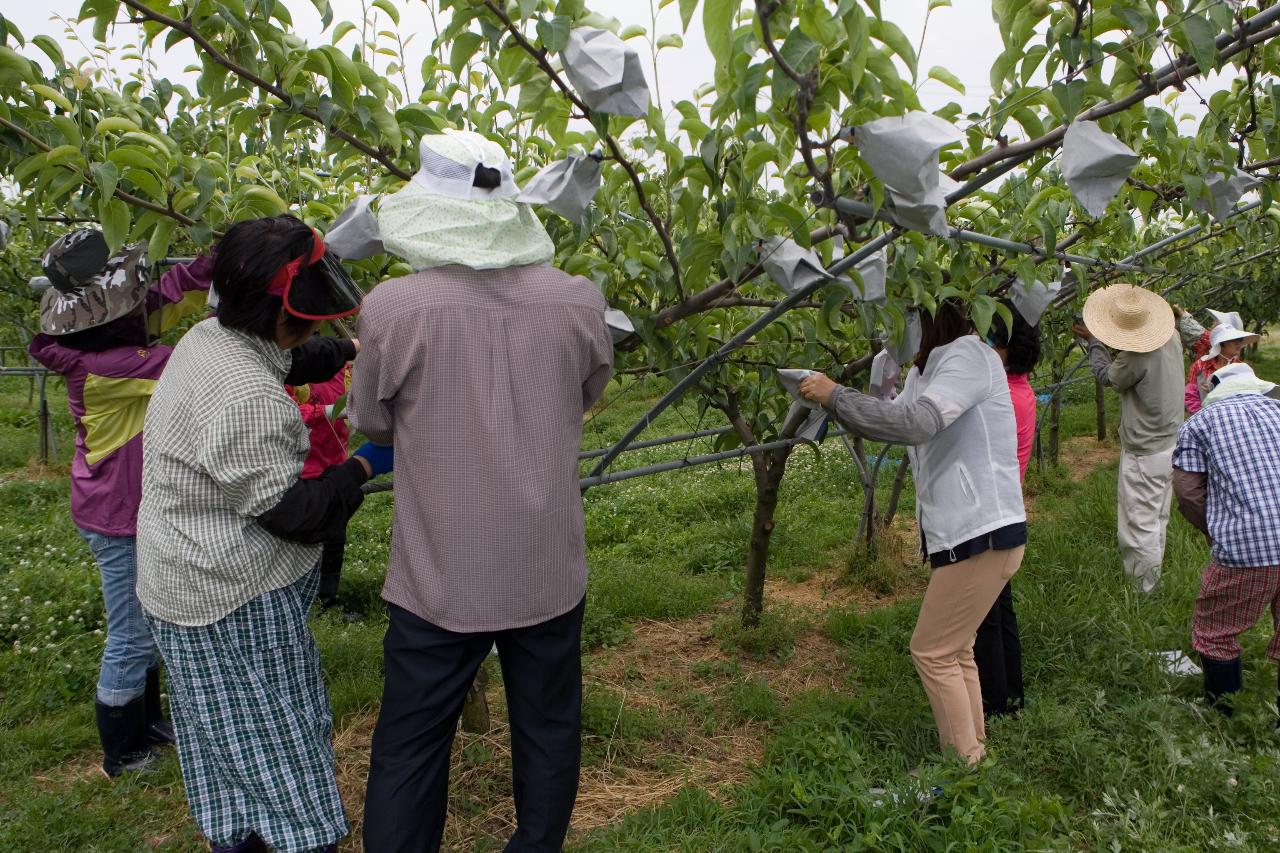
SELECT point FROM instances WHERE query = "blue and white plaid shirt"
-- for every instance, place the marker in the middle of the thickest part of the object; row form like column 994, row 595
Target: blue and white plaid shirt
column 1236, row 443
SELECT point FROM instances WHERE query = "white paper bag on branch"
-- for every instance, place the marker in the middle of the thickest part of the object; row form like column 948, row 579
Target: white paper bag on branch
column 620, row 325
column 355, row 234
column 605, row 73
column 902, row 151
column 1095, row 165
column 790, row 265
column 885, row 373
column 566, row 186
column 1032, row 300
column 1224, row 192
column 791, row 379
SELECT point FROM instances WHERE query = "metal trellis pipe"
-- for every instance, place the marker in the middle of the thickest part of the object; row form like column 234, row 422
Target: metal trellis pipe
column 658, row 442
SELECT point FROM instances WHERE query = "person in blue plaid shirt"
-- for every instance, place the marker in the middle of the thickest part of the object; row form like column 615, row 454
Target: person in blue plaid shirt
column 1227, row 478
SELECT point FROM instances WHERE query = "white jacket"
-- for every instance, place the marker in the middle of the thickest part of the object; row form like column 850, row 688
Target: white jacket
column 959, row 417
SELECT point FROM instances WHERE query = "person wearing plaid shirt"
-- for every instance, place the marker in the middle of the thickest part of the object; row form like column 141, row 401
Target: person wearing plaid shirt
column 228, row 541
column 1227, row 478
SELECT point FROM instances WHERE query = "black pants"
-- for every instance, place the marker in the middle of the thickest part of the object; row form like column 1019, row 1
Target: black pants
column 998, row 653
column 428, row 671
column 330, row 571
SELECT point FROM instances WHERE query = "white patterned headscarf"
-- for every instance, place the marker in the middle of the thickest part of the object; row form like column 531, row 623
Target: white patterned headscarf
column 442, row 217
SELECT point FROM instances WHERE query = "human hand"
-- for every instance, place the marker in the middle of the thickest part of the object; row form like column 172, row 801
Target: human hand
column 817, row 387
column 379, row 459
column 1178, row 310
column 1081, row 330
column 356, row 341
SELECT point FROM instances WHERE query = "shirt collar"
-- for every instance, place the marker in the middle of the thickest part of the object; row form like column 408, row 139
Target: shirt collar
column 276, row 359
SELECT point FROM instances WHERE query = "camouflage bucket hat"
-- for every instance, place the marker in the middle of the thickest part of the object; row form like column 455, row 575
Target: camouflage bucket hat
column 89, row 287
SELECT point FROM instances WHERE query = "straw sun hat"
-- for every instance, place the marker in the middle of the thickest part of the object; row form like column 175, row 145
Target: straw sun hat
column 1129, row 318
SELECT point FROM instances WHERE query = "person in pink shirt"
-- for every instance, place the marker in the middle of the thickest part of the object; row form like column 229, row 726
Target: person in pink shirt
column 998, row 648
column 320, row 404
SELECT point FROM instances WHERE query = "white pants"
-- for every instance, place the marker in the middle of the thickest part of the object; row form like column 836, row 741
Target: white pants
column 1142, row 514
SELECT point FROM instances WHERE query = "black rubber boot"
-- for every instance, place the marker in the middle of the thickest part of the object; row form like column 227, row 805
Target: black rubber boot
column 159, row 730
column 1221, row 679
column 123, row 731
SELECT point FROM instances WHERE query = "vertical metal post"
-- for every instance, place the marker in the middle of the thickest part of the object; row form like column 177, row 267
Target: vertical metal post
column 44, row 423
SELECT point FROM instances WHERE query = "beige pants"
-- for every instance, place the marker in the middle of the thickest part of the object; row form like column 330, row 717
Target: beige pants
column 1143, row 495
column 958, row 598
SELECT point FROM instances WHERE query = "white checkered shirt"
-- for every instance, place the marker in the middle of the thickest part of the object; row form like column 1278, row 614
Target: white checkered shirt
column 1236, row 443
column 223, row 442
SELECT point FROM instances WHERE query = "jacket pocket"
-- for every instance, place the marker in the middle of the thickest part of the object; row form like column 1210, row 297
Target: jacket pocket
column 967, row 490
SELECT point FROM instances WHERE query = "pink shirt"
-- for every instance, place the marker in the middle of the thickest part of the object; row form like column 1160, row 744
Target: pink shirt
column 1024, row 415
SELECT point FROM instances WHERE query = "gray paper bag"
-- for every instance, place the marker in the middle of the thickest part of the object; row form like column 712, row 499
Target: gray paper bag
column 620, row 325
column 1032, row 300
column 904, row 351
column 566, row 186
column 40, row 283
column 791, row 266
column 811, row 429
column 1225, row 192
column 1095, row 165
column 605, row 73
column 902, row 151
column 4, row 234
column 354, row 234
column 874, row 272
column 791, row 379
column 884, row 375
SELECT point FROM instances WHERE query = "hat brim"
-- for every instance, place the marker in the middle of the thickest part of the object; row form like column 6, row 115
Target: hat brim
column 1148, row 337
column 115, row 293
column 1246, row 339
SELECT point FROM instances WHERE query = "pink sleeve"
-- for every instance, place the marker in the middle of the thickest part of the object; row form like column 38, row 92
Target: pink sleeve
column 1191, row 399
column 182, row 279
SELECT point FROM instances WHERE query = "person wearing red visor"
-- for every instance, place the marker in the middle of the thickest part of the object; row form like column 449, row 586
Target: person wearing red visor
column 230, row 536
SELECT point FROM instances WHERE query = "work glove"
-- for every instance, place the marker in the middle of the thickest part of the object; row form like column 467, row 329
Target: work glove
column 381, row 458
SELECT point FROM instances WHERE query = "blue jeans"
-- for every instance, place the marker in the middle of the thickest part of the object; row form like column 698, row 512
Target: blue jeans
column 130, row 651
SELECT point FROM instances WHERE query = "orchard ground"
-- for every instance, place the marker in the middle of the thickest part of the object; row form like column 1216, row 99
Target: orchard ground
column 699, row 735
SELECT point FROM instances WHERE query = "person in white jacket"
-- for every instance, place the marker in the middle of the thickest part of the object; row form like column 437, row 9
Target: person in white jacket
column 956, row 417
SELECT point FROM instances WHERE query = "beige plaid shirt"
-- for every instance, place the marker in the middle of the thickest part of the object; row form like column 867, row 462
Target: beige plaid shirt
column 481, row 378
column 222, row 444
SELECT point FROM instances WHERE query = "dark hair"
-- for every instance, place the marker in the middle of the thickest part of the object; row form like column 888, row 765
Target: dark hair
column 948, row 322
column 1022, row 347
column 247, row 258
column 130, row 331
column 486, row 178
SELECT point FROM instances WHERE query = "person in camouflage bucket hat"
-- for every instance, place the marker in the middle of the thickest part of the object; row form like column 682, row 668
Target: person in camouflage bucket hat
column 91, row 287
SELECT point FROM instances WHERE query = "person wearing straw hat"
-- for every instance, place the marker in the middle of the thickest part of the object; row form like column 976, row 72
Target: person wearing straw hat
column 1147, row 373
column 1227, row 477
column 98, row 321
column 478, row 369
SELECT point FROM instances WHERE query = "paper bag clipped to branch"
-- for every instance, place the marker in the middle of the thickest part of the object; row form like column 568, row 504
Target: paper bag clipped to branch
column 874, row 272
column 1224, row 192
column 814, row 427
column 355, row 234
column 927, row 214
column 605, row 73
column 4, row 235
column 791, row 379
column 791, row 266
column 884, row 375
column 1032, row 300
column 1095, row 165
column 904, row 351
column 620, row 325
column 566, row 186
column 902, row 151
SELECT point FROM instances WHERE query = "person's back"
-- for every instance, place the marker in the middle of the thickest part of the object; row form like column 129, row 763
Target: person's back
column 482, row 377
column 1151, row 397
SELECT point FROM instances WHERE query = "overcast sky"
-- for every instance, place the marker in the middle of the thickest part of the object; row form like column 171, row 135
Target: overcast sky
column 962, row 39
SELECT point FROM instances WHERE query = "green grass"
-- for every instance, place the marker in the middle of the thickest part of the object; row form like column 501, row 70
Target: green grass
column 1110, row 754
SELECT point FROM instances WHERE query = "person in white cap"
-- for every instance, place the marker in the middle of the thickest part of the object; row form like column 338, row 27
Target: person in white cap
column 1227, row 477
column 478, row 369
column 1227, row 345
column 1147, row 373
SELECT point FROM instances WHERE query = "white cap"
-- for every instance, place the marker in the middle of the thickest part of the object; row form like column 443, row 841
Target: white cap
column 449, row 161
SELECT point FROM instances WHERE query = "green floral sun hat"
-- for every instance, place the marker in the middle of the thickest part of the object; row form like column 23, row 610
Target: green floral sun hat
column 460, row 208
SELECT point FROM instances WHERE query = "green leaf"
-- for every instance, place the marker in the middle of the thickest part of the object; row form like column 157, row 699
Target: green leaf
column 161, row 237
column 632, row 31
column 326, row 12
column 341, row 30
column 1200, row 36
column 390, row 8
column 945, row 77
column 670, row 40
column 107, row 176
column 980, row 311
column 464, row 47
column 114, row 216
column 888, row 33
column 938, row 4
column 50, row 48
column 687, row 8
column 554, row 33
column 717, row 22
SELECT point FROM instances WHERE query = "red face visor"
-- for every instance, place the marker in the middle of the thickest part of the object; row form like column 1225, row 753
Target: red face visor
column 325, row 292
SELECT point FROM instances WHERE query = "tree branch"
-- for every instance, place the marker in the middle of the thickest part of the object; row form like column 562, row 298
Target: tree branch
column 186, row 28
column 615, row 150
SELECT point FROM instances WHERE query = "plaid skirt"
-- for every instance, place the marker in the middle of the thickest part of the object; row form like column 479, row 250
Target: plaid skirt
column 255, row 733
column 1231, row 601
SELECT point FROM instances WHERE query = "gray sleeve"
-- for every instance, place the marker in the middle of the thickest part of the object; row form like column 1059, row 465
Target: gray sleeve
column 1099, row 361
column 880, row 420
column 1189, row 329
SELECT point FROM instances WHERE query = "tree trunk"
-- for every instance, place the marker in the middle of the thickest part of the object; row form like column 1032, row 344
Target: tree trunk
column 1055, row 426
column 899, row 480
column 1100, row 404
column 475, row 711
column 758, row 551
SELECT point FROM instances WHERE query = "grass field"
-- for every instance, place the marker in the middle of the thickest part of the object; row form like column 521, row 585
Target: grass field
column 698, row 735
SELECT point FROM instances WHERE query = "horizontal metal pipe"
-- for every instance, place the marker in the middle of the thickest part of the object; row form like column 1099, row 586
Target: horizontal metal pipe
column 658, row 442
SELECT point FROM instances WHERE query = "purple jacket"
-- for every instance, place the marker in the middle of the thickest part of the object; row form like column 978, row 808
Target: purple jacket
column 107, row 393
